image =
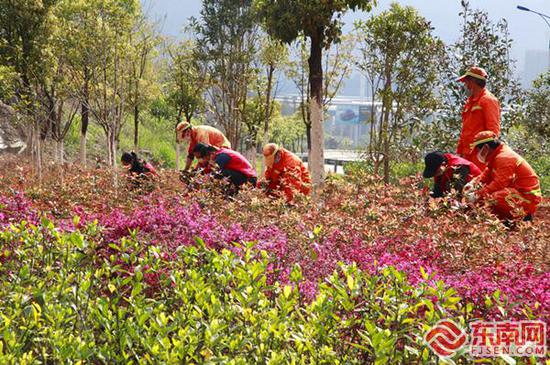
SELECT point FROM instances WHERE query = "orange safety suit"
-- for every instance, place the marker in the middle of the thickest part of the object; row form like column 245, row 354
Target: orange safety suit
column 481, row 113
column 207, row 135
column 288, row 175
column 510, row 184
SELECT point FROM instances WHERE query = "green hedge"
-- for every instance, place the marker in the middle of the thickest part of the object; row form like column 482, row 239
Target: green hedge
column 67, row 299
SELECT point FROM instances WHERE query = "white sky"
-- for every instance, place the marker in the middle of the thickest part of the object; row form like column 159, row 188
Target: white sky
column 528, row 30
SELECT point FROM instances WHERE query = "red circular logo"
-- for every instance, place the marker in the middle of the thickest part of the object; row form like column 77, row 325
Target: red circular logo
column 445, row 338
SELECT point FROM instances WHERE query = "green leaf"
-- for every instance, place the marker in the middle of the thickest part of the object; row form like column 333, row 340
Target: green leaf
column 287, row 290
column 351, row 282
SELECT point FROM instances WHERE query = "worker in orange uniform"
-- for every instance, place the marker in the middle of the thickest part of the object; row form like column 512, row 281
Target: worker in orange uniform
column 481, row 112
column 285, row 172
column 449, row 172
column 199, row 134
column 509, row 184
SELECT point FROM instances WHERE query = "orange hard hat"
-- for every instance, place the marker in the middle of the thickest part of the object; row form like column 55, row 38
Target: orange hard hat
column 183, row 126
column 482, row 137
column 475, row 72
column 180, row 130
column 270, row 149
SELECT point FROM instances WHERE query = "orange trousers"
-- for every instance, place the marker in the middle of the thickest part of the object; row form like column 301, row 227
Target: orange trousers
column 509, row 203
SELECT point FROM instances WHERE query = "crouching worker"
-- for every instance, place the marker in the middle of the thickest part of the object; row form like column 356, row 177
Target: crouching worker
column 226, row 163
column 285, row 172
column 199, row 134
column 449, row 172
column 509, row 184
column 139, row 171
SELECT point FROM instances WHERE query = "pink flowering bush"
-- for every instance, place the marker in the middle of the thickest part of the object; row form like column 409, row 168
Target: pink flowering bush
column 14, row 208
column 497, row 272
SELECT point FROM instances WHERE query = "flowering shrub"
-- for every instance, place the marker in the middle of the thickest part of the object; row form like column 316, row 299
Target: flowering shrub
column 64, row 303
column 439, row 246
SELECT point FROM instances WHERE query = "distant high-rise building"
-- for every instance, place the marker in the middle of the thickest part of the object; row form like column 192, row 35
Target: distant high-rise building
column 536, row 63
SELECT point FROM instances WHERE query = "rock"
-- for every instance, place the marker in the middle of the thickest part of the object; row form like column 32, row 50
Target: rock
column 12, row 137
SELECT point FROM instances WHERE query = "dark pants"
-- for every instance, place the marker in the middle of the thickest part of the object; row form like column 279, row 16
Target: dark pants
column 237, row 179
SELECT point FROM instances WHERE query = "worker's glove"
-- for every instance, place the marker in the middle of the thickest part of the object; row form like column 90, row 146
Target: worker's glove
column 470, row 195
column 468, row 187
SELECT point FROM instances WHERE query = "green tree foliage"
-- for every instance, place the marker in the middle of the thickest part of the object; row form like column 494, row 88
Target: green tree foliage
column 398, row 52
column 109, row 92
column 227, row 36
column 537, row 114
column 75, row 54
column 288, row 131
column 79, row 24
column 273, row 59
column 142, row 84
column 185, row 80
column 320, row 21
column 25, row 30
column 8, row 83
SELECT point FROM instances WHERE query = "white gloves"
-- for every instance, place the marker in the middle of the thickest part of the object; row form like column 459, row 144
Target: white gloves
column 470, row 195
column 469, row 192
column 468, row 187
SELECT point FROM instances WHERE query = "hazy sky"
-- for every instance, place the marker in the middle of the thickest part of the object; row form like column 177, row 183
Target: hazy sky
column 528, row 30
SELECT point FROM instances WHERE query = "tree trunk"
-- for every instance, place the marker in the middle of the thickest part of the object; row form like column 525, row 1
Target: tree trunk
column 108, row 142
column 58, row 151
column 111, row 148
column 85, row 113
column 267, row 109
column 136, row 127
column 178, row 152
column 37, row 150
column 387, row 161
column 308, row 137
column 316, row 150
column 388, row 105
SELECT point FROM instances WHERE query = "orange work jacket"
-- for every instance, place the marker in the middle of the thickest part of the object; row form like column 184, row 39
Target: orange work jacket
column 208, row 135
column 507, row 169
column 481, row 113
column 289, row 174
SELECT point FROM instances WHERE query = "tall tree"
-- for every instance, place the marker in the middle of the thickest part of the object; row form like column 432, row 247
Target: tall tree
column 397, row 48
column 337, row 63
column 80, row 26
column 185, row 83
column 321, row 22
column 25, row 32
column 273, row 57
column 143, row 41
column 109, row 88
column 185, row 80
column 227, row 35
